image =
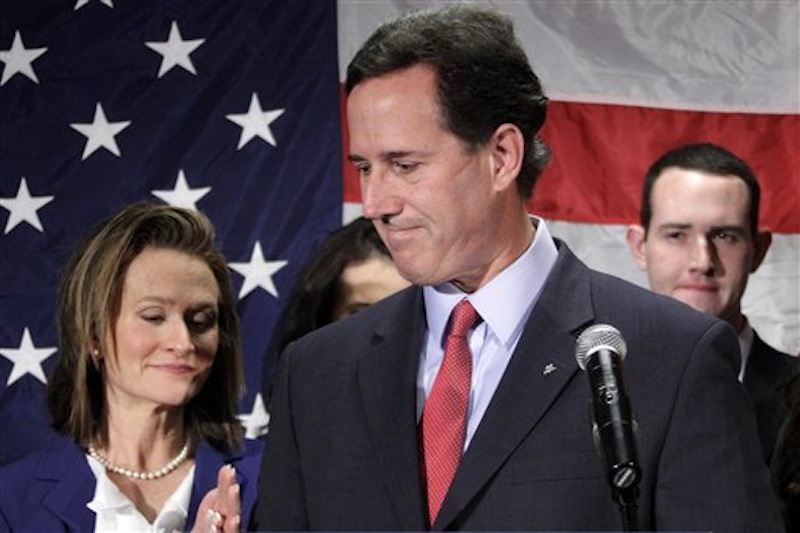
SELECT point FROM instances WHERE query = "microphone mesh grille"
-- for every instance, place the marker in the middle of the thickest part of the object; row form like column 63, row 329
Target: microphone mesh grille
column 597, row 336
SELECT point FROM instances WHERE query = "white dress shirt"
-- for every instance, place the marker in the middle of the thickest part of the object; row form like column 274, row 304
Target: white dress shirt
column 116, row 513
column 504, row 304
column 746, row 337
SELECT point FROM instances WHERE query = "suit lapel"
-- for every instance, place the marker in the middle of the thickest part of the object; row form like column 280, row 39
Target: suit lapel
column 765, row 368
column 387, row 379
column 73, row 486
column 542, row 365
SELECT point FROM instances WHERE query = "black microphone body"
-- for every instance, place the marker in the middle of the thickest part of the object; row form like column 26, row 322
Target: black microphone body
column 600, row 353
column 613, row 421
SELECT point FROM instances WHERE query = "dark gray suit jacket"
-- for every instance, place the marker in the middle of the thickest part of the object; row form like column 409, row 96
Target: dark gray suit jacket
column 343, row 450
column 766, row 369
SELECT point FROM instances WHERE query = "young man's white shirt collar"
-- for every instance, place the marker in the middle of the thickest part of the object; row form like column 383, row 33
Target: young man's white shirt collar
column 746, row 337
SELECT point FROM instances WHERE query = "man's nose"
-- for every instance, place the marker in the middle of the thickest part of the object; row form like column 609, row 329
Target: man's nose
column 703, row 255
column 376, row 195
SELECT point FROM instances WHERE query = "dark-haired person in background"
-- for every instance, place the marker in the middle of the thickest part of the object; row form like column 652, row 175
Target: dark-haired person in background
column 145, row 390
column 458, row 403
column 350, row 270
column 699, row 241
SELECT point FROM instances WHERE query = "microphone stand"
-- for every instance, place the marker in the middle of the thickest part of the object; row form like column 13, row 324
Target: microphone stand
column 626, row 499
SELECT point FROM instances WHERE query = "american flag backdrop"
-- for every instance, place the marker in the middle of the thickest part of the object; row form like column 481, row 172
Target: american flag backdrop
column 628, row 80
column 231, row 108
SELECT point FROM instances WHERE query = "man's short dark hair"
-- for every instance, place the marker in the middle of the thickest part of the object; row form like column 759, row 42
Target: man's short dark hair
column 703, row 157
column 483, row 75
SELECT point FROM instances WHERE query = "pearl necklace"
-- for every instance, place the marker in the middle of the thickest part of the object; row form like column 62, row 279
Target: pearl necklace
column 156, row 474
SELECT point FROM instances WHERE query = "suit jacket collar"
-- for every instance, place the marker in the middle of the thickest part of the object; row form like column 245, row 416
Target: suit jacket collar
column 765, row 366
column 73, row 483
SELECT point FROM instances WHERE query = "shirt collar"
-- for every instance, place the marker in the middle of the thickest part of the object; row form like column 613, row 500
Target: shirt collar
column 115, row 512
column 517, row 287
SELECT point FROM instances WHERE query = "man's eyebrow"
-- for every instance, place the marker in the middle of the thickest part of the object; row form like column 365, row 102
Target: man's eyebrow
column 384, row 156
column 396, row 154
column 730, row 228
column 675, row 225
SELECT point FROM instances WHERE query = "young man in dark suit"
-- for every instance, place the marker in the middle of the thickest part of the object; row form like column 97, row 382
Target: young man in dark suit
column 443, row 112
column 699, row 241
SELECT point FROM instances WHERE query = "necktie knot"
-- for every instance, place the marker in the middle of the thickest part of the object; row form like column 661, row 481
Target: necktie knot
column 462, row 319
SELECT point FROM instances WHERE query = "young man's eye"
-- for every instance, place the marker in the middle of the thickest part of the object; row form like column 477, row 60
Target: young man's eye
column 726, row 236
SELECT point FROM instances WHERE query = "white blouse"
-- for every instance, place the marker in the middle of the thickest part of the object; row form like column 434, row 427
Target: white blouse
column 116, row 513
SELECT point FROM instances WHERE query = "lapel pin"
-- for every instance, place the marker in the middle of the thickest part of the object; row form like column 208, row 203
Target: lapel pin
column 549, row 368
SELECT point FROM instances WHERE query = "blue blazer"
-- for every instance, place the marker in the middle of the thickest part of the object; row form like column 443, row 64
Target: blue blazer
column 343, row 444
column 48, row 490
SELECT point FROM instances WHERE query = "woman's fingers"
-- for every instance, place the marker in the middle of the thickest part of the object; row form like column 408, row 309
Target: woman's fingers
column 220, row 508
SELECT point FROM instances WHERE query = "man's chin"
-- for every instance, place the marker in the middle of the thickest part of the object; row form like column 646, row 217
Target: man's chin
column 699, row 303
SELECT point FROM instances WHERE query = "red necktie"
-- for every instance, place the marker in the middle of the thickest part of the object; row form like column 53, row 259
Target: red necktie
column 444, row 419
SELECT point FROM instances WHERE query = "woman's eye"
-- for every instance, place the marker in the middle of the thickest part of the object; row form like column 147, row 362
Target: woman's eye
column 202, row 322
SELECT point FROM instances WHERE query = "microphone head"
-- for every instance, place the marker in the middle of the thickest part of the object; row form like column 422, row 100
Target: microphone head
column 596, row 337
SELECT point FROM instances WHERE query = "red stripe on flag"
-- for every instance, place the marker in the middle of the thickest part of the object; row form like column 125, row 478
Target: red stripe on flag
column 601, row 152
column 352, row 188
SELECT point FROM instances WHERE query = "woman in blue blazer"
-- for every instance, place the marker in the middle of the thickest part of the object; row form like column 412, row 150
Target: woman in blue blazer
column 145, row 390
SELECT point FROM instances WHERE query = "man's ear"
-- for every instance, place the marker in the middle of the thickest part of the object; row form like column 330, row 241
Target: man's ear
column 507, row 148
column 761, row 243
column 635, row 235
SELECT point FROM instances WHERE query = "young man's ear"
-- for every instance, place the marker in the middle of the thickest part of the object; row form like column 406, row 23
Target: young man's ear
column 635, row 235
column 761, row 243
column 507, row 150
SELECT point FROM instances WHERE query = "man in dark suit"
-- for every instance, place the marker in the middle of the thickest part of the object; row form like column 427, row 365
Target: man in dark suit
column 699, row 242
column 443, row 114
